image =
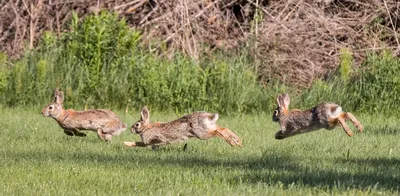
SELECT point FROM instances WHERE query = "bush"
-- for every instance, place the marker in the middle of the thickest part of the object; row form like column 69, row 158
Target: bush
column 101, row 63
column 378, row 88
column 374, row 89
column 4, row 73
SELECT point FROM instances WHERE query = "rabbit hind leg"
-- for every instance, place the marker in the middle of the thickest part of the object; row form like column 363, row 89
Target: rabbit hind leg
column 345, row 127
column 354, row 121
column 229, row 136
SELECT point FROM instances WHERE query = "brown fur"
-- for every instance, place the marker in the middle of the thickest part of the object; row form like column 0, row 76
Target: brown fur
column 325, row 115
column 201, row 125
column 104, row 122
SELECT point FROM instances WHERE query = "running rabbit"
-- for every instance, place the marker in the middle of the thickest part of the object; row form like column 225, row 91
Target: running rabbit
column 201, row 125
column 325, row 115
column 104, row 122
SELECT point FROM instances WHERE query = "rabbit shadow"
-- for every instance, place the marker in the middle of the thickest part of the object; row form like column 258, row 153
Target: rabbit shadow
column 388, row 178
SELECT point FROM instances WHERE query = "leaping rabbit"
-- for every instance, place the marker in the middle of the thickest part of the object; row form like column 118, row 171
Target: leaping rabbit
column 104, row 122
column 201, row 125
column 325, row 115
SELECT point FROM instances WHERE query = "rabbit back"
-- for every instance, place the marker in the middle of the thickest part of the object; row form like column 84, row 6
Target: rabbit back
column 106, row 120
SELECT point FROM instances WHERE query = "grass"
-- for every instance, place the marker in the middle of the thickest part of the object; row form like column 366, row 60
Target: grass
column 36, row 158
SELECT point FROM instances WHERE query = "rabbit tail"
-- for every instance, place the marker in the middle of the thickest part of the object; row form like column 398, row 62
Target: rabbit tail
column 334, row 111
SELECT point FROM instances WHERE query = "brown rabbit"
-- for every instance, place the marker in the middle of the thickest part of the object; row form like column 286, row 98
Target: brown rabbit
column 325, row 115
column 201, row 125
column 104, row 122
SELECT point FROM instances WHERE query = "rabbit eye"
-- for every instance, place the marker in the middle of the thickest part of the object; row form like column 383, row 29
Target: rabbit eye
column 137, row 125
column 50, row 107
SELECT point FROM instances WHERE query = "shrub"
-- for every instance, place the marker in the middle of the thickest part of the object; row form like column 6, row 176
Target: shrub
column 101, row 63
column 378, row 88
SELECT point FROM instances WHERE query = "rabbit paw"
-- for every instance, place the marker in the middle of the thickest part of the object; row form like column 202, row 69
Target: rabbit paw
column 130, row 144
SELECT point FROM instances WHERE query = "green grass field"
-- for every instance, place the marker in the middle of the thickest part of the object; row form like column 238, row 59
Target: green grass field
column 36, row 158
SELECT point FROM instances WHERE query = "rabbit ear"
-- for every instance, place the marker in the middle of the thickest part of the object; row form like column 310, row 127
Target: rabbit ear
column 286, row 100
column 145, row 114
column 58, row 96
column 283, row 101
column 278, row 100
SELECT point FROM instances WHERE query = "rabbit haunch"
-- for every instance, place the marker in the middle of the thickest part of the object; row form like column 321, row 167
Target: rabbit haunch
column 104, row 122
column 201, row 125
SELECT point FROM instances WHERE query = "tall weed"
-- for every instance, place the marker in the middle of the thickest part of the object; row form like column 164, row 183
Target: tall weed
column 378, row 88
column 101, row 63
column 374, row 88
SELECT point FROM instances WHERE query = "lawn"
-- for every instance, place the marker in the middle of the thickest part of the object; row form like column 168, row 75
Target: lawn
column 37, row 158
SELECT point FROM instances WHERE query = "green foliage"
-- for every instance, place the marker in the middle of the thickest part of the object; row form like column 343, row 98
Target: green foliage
column 374, row 89
column 378, row 87
column 346, row 62
column 101, row 63
column 4, row 73
column 333, row 90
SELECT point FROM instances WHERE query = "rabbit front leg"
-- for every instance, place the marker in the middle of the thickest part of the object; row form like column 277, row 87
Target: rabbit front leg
column 101, row 135
column 74, row 132
column 279, row 135
column 282, row 134
column 78, row 133
column 68, row 132
column 135, row 144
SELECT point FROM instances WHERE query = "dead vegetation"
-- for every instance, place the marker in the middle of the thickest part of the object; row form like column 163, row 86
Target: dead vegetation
column 302, row 40
column 295, row 40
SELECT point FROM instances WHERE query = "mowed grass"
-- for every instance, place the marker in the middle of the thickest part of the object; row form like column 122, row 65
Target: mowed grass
column 37, row 158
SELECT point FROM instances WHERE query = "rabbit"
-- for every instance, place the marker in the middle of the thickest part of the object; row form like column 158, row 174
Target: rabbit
column 201, row 125
column 325, row 115
column 104, row 122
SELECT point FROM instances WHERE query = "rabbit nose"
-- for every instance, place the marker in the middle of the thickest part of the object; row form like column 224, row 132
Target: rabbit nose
column 44, row 113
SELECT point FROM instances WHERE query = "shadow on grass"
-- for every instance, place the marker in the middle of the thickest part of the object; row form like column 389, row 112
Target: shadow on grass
column 385, row 174
column 271, row 168
column 384, row 130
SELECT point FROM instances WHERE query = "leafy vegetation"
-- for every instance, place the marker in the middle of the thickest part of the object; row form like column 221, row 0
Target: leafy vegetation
column 374, row 88
column 101, row 63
